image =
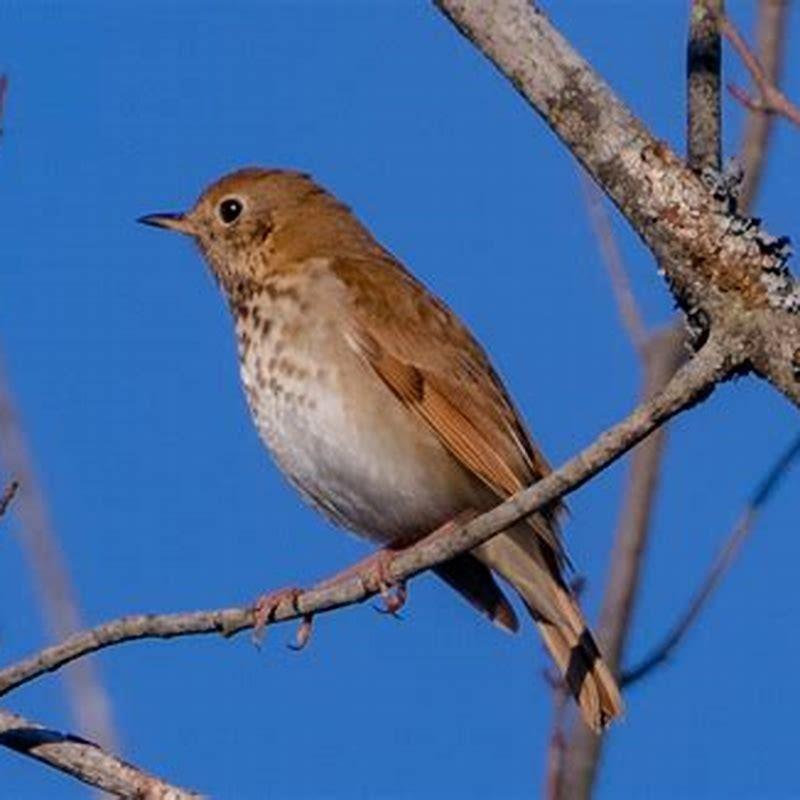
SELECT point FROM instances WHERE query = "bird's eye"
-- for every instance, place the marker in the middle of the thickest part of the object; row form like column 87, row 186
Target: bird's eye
column 230, row 209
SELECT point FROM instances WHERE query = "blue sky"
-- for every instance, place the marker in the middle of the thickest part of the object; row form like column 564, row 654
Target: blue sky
column 122, row 359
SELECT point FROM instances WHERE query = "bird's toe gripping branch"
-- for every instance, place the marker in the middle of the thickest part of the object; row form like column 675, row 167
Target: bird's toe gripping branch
column 264, row 612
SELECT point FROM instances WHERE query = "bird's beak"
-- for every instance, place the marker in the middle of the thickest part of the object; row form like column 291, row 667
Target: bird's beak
column 172, row 222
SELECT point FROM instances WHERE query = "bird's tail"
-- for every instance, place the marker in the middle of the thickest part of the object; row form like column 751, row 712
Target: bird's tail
column 522, row 560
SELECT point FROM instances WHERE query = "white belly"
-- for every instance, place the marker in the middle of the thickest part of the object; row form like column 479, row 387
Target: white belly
column 350, row 447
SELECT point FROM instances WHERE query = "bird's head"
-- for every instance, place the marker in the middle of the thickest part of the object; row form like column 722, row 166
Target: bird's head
column 249, row 220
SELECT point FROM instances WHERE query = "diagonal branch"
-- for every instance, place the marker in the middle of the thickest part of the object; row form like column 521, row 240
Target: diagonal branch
column 722, row 564
column 89, row 701
column 84, row 760
column 721, row 270
column 627, row 306
column 690, row 385
column 662, row 356
column 771, row 99
column 771, row 36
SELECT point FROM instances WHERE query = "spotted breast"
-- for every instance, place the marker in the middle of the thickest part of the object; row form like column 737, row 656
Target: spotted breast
column 339, row 435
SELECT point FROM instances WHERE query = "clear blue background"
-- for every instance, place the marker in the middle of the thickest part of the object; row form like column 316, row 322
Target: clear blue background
column 121, row 356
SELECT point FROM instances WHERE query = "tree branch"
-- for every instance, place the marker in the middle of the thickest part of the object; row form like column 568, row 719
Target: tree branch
column 690, row 385
column 703, row 104
column 722, row 564
column 84, row 760
column 722, row 270
column 665, row 350
column 771, row 37
column 627, row 306
column 89, row 702
column 663, row 354
column 771, row 99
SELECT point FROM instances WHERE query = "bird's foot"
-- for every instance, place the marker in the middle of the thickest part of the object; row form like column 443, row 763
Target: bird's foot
column 374, row 573
column 265, row 607
column 303, row 633
column 378, row 569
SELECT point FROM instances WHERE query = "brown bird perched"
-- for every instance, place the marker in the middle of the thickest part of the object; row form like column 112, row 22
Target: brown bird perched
column 379, row 405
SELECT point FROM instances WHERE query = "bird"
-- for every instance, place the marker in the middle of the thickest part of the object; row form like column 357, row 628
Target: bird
column 381, row 407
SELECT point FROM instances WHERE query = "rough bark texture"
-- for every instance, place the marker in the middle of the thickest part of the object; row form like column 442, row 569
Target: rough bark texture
column 84, row 760
column 722, row 270
column 703, row 64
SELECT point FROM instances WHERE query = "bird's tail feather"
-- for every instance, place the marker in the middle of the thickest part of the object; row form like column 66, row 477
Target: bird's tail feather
column 517, row 557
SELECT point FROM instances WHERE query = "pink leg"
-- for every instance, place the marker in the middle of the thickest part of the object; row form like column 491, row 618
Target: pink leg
column 374, row 574
column 374, row 571
column 267, row 604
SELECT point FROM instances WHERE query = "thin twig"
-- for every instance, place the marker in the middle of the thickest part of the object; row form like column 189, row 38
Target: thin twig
column 714, row 270
column 661, row 355
column 664, row 355
column 84, row 760
column 8, row 496
column 691, row 384
column 771, row 99
column 771, row 37
column 627, row 306
column 722, row 564
column 88, row 699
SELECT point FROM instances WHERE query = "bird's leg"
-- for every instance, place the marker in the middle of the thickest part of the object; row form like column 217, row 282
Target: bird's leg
column 265, row 607
column 374, row 574
column 303, row 633
column 374, row 571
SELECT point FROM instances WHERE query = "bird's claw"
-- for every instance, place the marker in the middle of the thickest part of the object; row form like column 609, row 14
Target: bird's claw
column 394, row 597
column 265, row 607
column 393, row 593
column 303, row 634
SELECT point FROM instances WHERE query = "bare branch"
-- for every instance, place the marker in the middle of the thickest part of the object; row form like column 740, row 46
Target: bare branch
column 722, row 564
column 8, row 496
column 84, row 760
column 720, row 269
column 771, row 99
column 771, row 36
column 91, row 707
column 690, row 385
column 704, row 108
column 663, row 355
column 612, row 258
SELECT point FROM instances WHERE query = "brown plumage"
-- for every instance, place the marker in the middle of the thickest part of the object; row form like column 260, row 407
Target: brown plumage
column 378, row 403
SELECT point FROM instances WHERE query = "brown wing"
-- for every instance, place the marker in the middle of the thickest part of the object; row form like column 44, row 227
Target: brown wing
column 433, row 364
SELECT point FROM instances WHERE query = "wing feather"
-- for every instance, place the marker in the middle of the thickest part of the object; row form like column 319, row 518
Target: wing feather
column 451, row 386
